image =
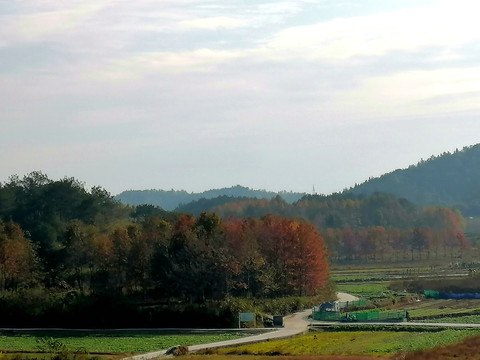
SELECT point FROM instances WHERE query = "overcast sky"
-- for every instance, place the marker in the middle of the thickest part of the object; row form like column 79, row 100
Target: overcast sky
column 201, row 94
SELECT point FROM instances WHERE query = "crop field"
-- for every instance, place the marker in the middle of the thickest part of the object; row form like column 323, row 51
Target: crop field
column 466, row 319
column 112, row 343
column 365, row 288
column 416, row 313
column 284, row 357
column 353, row 343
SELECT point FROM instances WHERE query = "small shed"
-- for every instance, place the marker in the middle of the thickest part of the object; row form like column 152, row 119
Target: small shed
column 278, row 320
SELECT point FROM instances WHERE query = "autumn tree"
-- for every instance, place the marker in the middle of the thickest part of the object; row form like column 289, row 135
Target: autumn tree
column 246, row 266
column 297, row 254
column 79, row 251
column 18, row 262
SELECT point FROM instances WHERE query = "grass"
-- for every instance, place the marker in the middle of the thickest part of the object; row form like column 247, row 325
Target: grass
column 421, row 313
column 467, row 319
column 112, row 343
column 365, row 288
column 442, row 308
column 357, row 278
column 44, row 356
column 353, row 343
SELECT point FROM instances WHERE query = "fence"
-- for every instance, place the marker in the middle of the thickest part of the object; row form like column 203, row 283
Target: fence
column 358, row 303
column 433, row 294
column 326, row 316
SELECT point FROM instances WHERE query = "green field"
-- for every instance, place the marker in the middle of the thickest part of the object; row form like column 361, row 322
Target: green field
column 439, row 312
column 112, row 343
column 365, row 288
column 466, row 319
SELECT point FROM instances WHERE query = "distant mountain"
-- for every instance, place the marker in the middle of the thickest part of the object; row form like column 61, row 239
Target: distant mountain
column 170, row 200
column 450, row 179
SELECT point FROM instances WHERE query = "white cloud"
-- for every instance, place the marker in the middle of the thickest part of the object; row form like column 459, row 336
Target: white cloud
column 164, row 62
column 445, row 24
column 213, row 23
column 38, row 26
column 418, row 92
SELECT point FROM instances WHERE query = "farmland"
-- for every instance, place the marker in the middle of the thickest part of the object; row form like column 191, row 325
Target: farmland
column 96, row 342
column 384, row 289
column 353, row 343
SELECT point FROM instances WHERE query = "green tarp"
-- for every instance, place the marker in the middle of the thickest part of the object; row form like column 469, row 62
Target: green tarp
column 362, row 317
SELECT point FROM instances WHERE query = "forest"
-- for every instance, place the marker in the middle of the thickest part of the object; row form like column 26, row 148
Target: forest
column 379, row 227
column 449, row 179
column 75, row 251
column 57, row 236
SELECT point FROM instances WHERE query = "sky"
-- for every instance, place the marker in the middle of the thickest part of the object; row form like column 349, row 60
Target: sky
column 202, row 94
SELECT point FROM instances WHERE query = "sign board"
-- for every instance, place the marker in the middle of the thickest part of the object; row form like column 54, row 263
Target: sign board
column 247, row 317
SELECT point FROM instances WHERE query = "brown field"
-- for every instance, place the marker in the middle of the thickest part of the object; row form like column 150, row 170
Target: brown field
column 468, row 349
column 299, row 357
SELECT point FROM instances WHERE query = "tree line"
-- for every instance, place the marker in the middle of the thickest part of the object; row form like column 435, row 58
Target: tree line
column 80, row 257
column 378, row 227
column 58, row 235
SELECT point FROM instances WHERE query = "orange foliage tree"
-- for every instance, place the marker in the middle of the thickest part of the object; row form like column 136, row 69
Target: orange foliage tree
column 17, row 257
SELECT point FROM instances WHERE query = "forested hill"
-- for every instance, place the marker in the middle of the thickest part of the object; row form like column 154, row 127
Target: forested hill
column 450, row 179
column 171, row 199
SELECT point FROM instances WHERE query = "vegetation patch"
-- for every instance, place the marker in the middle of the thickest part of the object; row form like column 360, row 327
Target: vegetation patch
column 111, row 343
column 467, row 319
column 353, row 343
column 296, row 357
column 466, row 349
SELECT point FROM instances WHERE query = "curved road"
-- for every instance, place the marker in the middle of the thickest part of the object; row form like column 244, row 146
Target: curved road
column 295, row 324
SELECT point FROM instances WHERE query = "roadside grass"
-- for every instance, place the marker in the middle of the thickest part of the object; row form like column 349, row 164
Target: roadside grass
column 352, row 343
column 130, row 342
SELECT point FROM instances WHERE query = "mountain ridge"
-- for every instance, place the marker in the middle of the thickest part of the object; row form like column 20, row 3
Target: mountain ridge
column 172, row 199
column 449, row 179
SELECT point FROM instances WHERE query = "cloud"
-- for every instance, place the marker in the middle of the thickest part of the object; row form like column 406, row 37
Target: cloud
column 142, row 65
column 30, row 27
column 445, row 24
column 213, row 23
column 413, row 93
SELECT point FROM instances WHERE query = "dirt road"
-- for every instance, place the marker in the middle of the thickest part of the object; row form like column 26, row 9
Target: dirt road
column 346, row 297
column 295, row 324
